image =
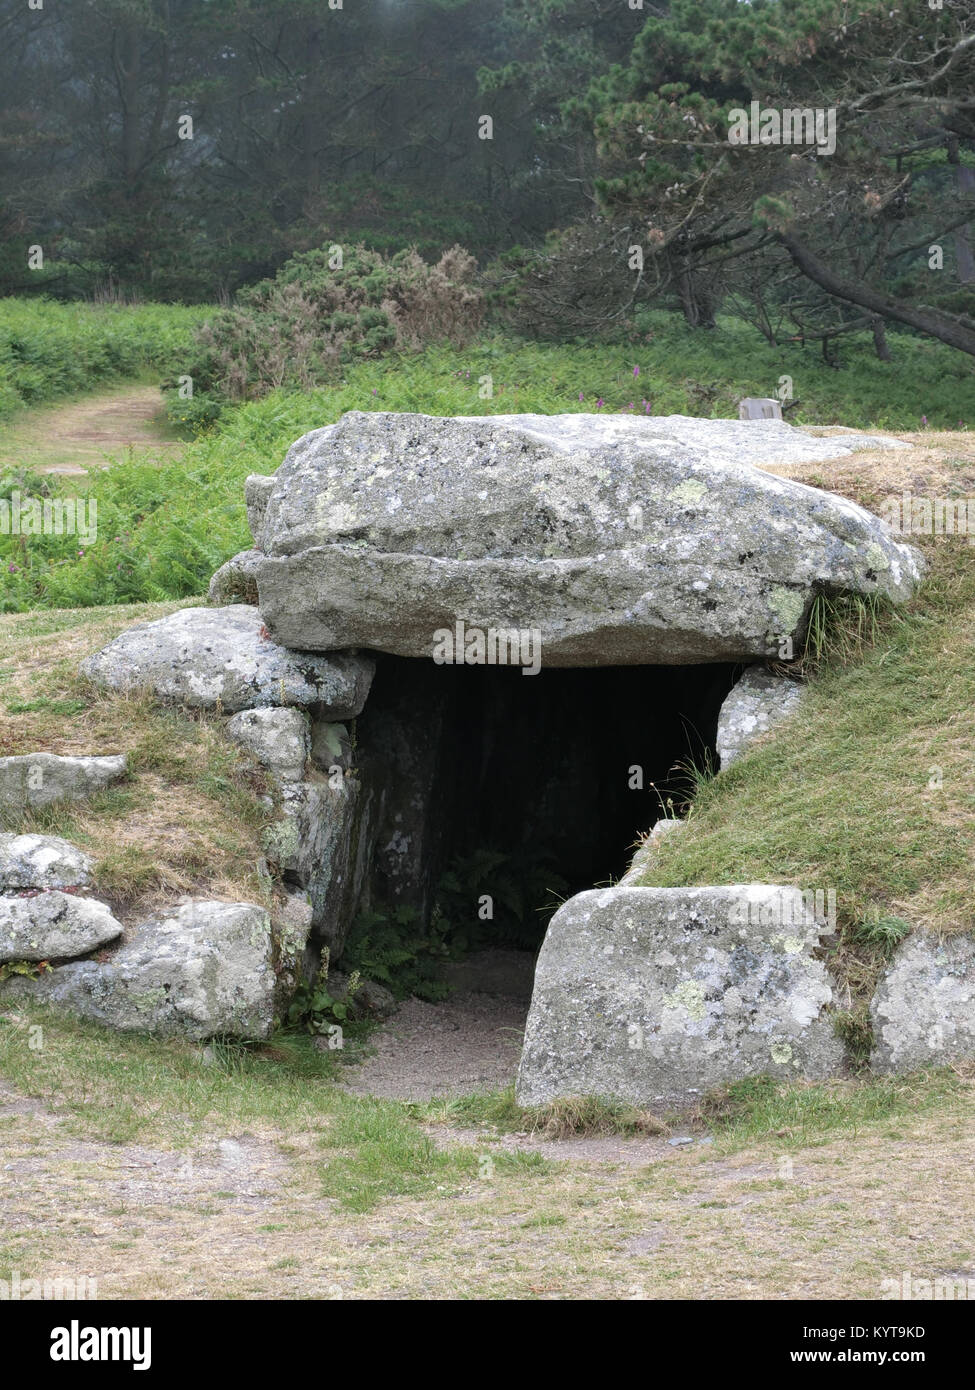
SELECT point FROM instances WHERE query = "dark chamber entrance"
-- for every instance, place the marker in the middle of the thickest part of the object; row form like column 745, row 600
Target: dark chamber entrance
column 524, row 787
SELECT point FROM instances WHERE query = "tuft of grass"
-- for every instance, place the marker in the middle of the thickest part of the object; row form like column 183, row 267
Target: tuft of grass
column 760, row 1108
column 841, row 628
column 881, row 931
column 573, row 1117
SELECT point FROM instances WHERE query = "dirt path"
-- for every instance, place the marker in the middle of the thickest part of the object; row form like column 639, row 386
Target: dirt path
column 469, row 1043
column 73, row 437
column 243, row 1215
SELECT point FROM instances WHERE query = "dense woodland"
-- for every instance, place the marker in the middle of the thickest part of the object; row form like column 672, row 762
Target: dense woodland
column 177, row 150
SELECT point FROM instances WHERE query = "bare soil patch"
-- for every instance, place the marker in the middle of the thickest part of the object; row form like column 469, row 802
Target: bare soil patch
column 72, row 438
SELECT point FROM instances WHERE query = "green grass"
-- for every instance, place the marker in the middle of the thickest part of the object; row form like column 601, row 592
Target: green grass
column 756, row 1110
column 581, row 1116
column 132, row 1089
column 137, row 1089
column 165, row 526
column 760, row 1109
column 50, row 350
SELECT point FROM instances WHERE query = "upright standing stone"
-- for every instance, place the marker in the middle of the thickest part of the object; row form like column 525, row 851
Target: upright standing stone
column 656, row 994
column 924, row 1009
column 759, row 408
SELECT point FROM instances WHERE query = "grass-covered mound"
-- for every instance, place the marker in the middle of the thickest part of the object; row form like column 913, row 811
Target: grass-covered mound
column 870, row 788
column 185, row 821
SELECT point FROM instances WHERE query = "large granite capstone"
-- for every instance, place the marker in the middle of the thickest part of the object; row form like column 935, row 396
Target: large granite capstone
column 620, row 540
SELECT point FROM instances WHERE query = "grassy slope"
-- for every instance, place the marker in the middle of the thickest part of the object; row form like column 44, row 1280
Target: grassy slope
column 50, row 350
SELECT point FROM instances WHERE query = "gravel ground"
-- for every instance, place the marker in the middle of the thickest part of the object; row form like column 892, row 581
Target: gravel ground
column 471, row 1042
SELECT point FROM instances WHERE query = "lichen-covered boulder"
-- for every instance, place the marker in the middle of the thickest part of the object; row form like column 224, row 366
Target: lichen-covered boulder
column 754, row 705
column 280, row 739
column 54, row 926
column 923, row 1010
column 41, row 861
column 619, row 540
column 34, row 780
column 199, row 970
column 204, row 657
column 655, row 994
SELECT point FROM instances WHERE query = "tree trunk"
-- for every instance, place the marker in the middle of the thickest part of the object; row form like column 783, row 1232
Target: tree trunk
column 945, row 327
column 129, row 88
column 880, row 339
column 965, row 182
column 697, row 305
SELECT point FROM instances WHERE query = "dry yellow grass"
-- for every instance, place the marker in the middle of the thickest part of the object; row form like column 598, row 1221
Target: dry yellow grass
column 187, row 819
column 939, row 465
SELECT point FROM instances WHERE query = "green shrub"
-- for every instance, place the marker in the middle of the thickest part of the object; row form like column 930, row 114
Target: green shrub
column 391, row 946
column 299, row 329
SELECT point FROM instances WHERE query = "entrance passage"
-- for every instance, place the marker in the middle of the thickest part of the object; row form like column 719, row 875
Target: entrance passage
column 526, row 788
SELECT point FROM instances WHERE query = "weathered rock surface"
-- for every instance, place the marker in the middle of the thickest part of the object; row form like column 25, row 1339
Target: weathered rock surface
column 235, row 581
column 619, row 540
column 755, row 705
column 280, row 739
column 204, row 656
column 924, row 1008
column 33, row 780
column 54, row 926
column 292, row 922
column 41, row 861
column 643, row 994
column 257, row 493
column 199, row 970
column 320, row 844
